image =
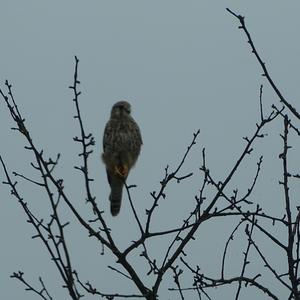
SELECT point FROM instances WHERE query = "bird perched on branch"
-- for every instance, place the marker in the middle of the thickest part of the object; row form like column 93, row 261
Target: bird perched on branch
column 122, row 142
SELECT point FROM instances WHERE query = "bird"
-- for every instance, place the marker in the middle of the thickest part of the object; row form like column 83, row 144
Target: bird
column 122, row 143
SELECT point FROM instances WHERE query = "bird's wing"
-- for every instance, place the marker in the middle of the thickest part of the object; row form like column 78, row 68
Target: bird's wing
column 107, row 135
column 108, row 177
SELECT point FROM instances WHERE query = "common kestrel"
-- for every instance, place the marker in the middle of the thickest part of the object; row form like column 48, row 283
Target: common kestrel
column 122, row 142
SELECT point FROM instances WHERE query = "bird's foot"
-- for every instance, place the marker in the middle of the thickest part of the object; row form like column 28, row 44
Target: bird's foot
column 122, row 171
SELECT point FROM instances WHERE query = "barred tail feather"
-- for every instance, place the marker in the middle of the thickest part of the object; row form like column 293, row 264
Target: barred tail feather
column 115, row 197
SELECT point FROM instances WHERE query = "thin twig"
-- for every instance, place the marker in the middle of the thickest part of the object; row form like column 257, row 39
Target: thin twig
column 262, row 64
column 43, row 292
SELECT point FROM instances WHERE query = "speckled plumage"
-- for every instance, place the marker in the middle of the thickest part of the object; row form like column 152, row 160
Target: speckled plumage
column 121, row 147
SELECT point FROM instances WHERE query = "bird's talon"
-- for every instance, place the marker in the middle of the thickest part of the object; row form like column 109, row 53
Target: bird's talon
column 121, row 171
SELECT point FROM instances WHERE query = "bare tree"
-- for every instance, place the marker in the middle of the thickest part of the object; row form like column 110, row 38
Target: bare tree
column 255, row 221
column 212, row 203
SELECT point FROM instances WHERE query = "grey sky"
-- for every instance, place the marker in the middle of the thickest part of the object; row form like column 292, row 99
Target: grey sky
column 183, row 65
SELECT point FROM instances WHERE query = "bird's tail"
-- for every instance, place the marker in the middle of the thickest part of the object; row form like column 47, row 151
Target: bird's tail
column 115, row 197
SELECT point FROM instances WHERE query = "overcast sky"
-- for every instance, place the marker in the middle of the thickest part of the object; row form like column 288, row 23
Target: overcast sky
column 183, row 65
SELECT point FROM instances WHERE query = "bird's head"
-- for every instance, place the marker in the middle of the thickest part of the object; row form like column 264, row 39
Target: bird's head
column 121, row 109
